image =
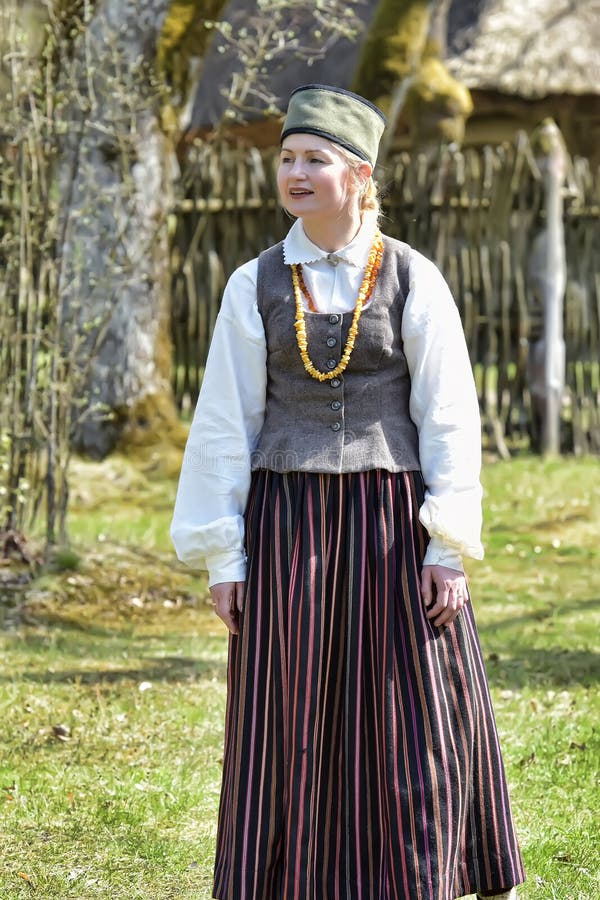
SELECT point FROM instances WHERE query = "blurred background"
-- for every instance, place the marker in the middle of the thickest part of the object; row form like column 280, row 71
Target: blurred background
column 138, row 143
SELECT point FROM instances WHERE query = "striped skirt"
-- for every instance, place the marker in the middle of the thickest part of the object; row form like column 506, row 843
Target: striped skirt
column 361, row 756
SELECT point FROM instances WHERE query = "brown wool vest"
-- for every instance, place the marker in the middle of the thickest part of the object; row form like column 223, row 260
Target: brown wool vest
column 357, row 421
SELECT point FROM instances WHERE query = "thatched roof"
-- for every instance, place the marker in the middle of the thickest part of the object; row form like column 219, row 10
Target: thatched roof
column 529, row 48
column 532, row 48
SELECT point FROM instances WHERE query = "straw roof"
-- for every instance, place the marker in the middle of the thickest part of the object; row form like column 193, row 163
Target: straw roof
column 527, row 48
column 532, row 49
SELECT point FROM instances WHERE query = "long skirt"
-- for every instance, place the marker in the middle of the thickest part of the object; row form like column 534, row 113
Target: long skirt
column 361, row 755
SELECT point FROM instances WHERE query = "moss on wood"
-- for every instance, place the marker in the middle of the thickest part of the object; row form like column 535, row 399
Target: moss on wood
column 392, row 48
column 153, row 423
column 437, row 105
column 154, row 434
column 184, row 36
column 398, row 48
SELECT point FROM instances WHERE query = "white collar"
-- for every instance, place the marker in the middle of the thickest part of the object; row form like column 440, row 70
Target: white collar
column 298, row 249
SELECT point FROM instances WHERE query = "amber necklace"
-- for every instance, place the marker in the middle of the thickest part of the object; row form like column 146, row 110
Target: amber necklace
column 366, row 289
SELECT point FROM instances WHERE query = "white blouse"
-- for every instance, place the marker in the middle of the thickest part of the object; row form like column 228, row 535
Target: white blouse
column 208, row 521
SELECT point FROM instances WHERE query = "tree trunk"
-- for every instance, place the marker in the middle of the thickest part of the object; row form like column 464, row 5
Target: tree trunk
column 402, row 68
column 114, row 180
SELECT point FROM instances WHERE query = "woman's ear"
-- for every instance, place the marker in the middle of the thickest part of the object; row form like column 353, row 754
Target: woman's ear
column 363, row 173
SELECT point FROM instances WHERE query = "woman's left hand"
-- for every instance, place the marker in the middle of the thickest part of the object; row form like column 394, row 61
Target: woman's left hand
column 446, row 589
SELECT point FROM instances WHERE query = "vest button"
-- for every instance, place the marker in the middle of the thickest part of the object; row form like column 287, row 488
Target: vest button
column 336, row 426
column 336, row 404
column 333, row 320
column 331, row 342
column 335, row 382
column 331, row 363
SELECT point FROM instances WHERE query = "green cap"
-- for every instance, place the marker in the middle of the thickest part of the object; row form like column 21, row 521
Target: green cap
column 338, row 115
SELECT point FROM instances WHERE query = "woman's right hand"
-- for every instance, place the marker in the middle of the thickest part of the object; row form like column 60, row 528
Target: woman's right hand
column 228, row 597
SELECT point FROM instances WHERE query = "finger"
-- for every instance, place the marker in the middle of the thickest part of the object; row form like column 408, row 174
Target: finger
column 436, row 610
column 239, row 595
column 441, row 600
column 455, row 604
column 224, row 610
column 231, row 622
column 426, row 586
column 447, row 615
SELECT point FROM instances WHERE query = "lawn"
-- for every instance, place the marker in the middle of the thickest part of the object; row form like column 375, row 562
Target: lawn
column 112, row 691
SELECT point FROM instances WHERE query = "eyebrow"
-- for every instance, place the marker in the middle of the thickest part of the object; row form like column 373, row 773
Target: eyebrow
column 316, row 150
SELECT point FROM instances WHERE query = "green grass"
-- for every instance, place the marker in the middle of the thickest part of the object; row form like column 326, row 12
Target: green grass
column 112, row 691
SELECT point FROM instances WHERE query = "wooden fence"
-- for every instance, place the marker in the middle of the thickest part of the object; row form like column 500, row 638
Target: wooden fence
column 477, row 214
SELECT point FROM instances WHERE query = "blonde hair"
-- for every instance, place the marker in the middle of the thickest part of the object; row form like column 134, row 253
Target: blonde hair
column 369, row 203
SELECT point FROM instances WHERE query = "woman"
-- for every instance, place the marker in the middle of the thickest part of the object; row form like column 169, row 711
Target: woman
column 331, row 486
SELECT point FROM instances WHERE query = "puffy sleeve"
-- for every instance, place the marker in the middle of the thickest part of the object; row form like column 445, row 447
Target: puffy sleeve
column 444, row 407
column 208, row 521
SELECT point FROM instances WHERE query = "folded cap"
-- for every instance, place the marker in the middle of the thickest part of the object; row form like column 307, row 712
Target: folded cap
column 338, row 115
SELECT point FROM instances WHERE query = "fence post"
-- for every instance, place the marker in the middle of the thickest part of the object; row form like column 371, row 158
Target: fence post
column 551, row 277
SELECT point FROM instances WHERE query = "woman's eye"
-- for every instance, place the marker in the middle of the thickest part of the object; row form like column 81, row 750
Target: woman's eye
column 316, row 160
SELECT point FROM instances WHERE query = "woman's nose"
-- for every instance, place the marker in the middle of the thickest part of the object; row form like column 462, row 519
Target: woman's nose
column 297, row 169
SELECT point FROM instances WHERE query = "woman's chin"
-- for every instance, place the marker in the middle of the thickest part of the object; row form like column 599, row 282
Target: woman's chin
column 299, row 205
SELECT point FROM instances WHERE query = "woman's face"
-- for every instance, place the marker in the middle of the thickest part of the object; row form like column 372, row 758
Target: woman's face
column 313, row 179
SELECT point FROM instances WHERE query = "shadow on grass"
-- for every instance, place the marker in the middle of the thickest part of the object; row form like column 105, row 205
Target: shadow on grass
column 512, row 659
column 551, row 667
column 545, row 647
column 171, row 669
column 118, row 626
column 553, row 609
column 525, row 668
